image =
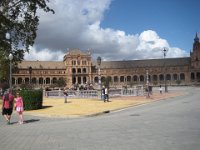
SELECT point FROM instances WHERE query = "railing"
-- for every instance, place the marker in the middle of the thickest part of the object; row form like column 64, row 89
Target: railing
column 136, row 91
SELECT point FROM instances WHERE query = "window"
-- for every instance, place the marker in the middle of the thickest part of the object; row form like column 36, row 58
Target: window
column 83, row 62
column 79, row 70
column 84, row 70
column 73, row 62
column 73, row 70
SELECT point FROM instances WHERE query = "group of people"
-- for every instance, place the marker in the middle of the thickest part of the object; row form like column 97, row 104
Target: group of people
column 9, row 102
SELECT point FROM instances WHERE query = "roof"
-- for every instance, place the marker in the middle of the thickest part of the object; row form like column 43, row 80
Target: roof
column 42, row 64
column 185, row 61
column 170, row 62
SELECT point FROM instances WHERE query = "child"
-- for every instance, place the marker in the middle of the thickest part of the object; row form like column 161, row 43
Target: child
column 19, row 108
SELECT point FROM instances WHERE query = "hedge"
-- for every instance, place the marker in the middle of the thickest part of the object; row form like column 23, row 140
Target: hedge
column 32, row 99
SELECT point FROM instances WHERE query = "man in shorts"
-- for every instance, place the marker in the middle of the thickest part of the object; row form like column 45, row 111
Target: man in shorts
column 7, row 106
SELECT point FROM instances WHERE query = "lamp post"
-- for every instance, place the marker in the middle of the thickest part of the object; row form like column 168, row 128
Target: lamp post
column 30, row 72
column 147, row 83
column 165, row 80
column 10, row 58
column 99, row 75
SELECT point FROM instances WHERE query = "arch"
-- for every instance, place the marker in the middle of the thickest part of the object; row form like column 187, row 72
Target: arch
column 73, row 70
column 192, row 76
column 182, row 76
column 161, row 77
column 155, row 77
column 135, row 78
column 175, row 77
column 198, row 75
column 121, row 78
column 19, row 80
column 26, row 80
column 96, row 79
column 79, row 80
column 115, row 78
column 41, row 80
column 84, row 70
column 168, row 77
column 73, row 80
column 103, row 79
column 13, row 80
column 109, row 78
column 84, row 79
column 54, row 80
column 47, row 80
column 34, row 80
column 128, row 78
column 79, row 70
column 141, row 78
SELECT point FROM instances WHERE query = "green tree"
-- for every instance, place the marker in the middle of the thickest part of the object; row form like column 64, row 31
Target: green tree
column 19, row 18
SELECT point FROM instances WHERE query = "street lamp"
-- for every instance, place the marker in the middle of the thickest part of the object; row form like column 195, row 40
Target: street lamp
column 147, row 83
column 30, row 71
column 10, row 58
column 165, row 80
column 99, row 75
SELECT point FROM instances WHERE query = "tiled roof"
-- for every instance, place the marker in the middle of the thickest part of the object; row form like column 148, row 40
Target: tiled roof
column 145, row 63
column 42, row 64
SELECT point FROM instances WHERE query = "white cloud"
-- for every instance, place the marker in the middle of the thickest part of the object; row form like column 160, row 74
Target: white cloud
column 43, row 55
column 77, row 24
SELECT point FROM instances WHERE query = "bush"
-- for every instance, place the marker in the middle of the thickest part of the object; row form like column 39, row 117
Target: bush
column 32, row 99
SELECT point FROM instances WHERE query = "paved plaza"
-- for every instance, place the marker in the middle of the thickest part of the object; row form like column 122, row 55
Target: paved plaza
column 172, row 124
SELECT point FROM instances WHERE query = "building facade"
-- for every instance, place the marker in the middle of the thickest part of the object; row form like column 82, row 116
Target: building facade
column 78, row 68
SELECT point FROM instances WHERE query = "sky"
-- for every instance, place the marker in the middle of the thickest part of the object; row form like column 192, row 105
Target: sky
column 117, row 29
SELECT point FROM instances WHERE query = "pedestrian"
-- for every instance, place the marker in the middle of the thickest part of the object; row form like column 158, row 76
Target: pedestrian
column 65, row 96
column 19, row 107
column 7, row 106
column 103, row 94
column 106, row 95
column 160, row 89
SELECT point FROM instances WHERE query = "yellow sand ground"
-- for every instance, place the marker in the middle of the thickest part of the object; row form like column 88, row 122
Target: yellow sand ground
column 55, row 107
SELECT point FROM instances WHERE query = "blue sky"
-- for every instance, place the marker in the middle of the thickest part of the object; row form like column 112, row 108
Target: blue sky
column 175, row 20
column 117, row 29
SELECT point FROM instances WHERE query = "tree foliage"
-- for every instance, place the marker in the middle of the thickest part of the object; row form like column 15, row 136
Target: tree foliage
column 20, row 19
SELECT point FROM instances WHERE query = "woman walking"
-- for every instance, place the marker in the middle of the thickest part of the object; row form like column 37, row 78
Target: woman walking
column 19, row 108
column 7, row 107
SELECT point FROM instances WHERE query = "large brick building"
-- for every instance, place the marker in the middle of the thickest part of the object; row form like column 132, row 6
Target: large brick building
column 78, row 67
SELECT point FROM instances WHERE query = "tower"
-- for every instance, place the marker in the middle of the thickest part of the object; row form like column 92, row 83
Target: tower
column 195, row 54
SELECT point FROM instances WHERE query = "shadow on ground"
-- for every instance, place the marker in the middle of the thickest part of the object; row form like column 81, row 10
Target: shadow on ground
column 26, row 121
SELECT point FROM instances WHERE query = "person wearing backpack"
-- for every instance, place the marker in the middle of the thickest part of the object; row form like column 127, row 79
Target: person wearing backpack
column 7, row 106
